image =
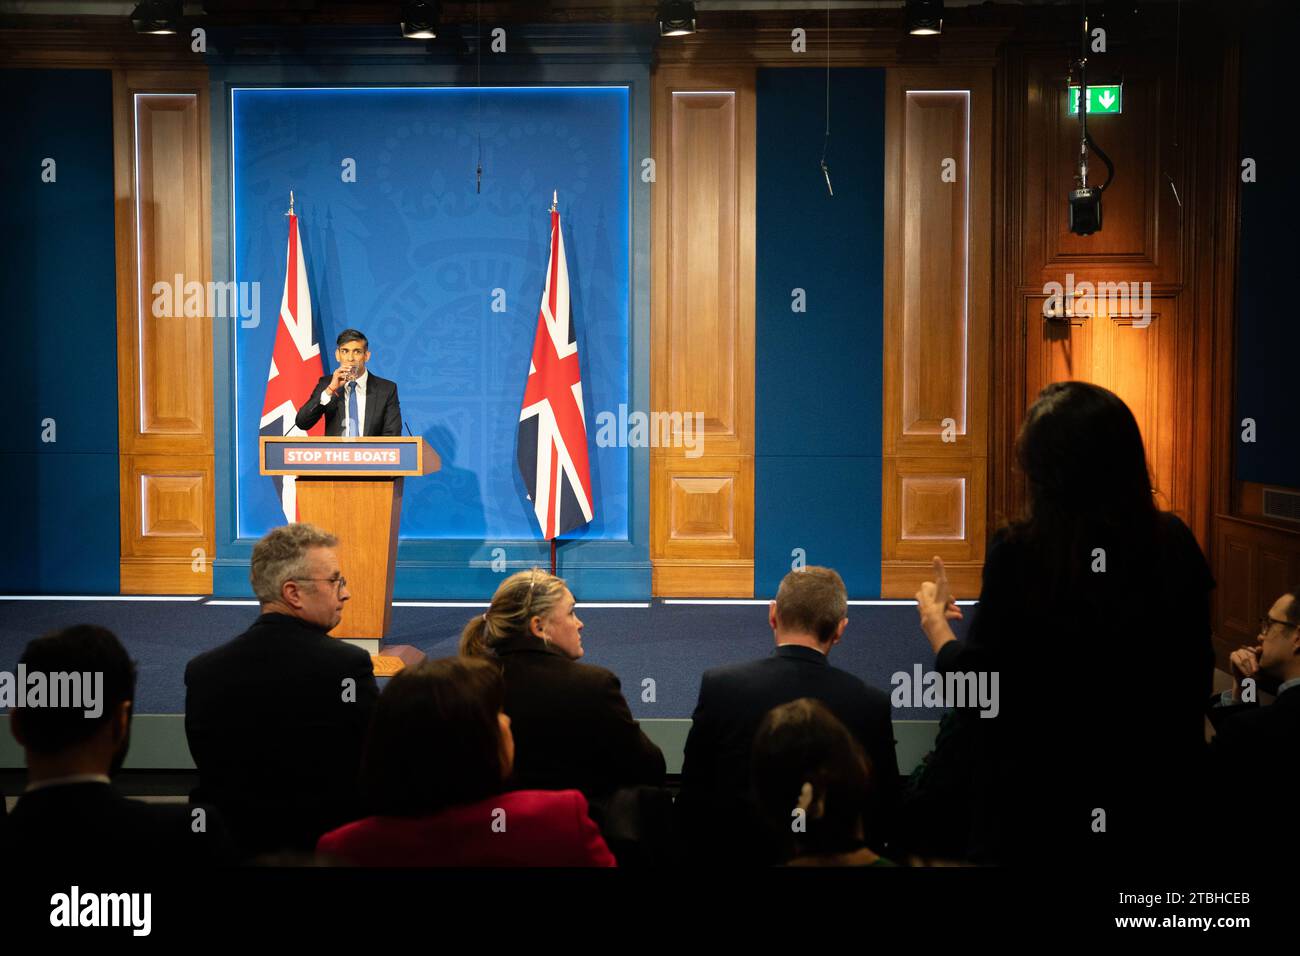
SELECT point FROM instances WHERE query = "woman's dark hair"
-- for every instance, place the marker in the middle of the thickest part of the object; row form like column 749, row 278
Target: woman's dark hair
column 435, row 738
column 803, row 742
column 1087, row 485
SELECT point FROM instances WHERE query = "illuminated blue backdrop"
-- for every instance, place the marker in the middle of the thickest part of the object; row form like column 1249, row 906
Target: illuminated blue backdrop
column 411, row 254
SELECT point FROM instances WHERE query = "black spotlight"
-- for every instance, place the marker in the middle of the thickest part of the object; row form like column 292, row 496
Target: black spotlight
column 1085, row 210
column 676, row 17
column 420, row 19
column 157, row 16
column 924, row 17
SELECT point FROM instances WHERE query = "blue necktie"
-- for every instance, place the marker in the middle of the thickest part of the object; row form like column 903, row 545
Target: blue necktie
column 350, row 403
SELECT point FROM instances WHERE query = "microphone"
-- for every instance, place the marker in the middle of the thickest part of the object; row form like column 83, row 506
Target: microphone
column 408, row 428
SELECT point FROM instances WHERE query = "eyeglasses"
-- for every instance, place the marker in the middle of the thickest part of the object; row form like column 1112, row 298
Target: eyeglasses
column 1268, row 621
column 338, row 582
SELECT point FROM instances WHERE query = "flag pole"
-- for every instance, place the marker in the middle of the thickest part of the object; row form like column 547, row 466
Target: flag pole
column 555, row 201
column 290, row 212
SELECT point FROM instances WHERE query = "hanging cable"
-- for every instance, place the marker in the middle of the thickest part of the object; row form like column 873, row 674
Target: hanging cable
column 826, row 173
column 478, row 82
column 1178, row 82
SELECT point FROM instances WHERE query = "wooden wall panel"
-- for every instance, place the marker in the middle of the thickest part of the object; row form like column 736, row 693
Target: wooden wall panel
column 1257, row 563
column 935, row 131
column 164, row 347
column 702, row 330
column 703, row 251
column 1152, row 366
column 933, row 508
column 1141, row 361
column 168, row 183
column 1166, row 371
column 171, row 505
column 1178, row 131
column 1139, row 238
column 938, row 233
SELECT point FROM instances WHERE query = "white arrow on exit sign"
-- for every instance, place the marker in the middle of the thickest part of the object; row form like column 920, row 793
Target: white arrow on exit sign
column 1101, row 99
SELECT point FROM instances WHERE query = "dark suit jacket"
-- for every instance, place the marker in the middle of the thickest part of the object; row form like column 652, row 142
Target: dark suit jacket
column 277, row 746
column 1253, row 751
column 92, row 825
column 542, row 828
column 383, row 411
column 572, row 727
column 733, row 701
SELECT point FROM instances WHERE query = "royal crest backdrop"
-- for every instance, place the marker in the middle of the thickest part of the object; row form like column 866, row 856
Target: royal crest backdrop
column 416, row 252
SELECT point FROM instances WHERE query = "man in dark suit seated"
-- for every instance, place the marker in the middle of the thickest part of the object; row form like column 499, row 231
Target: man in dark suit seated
column 1254, row 747
column 355, row 403
column 276, row 717
column 808, row 618
column 71, row 815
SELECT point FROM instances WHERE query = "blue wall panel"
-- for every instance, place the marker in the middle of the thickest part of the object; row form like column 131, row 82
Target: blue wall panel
column 66, row 507
column 818, row 373
column 1268, row 335
column 404, row 264
column 411, row 254
column 58, row 286
column 829, row 507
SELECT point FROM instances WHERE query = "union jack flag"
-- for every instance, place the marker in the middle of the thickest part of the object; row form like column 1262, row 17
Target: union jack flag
column 552, row 424
column 295, row 364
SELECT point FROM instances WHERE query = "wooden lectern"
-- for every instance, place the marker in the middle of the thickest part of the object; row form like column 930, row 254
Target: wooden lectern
column 352, row 488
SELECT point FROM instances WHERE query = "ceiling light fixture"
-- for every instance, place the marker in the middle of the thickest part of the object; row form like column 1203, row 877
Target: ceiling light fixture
column 924, row 17
column 420, row 19
column 676, row 18
column 157, row 16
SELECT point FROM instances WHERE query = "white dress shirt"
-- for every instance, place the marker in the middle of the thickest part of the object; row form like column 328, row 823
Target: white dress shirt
column 358, row 396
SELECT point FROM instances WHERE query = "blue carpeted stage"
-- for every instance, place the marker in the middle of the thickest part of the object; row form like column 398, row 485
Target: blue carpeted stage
column 672, row 643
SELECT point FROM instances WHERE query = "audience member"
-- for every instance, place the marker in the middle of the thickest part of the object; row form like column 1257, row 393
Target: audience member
column 1254, row 746
column 71, row 815
column 1094, row 613
column 807, row 618
column 572, row 727
column 811, row 780
column 276, row 717
column 438, row 751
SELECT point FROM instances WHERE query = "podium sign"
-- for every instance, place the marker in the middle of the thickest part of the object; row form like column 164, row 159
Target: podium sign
column 352, row 488
column 347, row 457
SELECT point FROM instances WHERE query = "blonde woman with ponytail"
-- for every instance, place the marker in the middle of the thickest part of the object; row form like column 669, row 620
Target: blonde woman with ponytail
column 572, row 726
column 523, row 605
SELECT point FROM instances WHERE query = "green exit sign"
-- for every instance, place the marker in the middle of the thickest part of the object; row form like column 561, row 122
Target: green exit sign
column 1101, row 99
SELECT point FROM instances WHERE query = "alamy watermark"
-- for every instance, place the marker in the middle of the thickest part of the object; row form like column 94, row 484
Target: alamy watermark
column 652, row 430
column 922, row 688
column 74, row 690
column 1122, row 299
column 215, row 300
column 128, row 910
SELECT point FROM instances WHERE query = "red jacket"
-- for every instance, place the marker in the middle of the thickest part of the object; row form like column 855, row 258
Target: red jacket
column 534, row 828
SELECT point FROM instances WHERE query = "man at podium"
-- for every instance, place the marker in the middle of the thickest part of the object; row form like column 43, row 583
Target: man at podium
column 355, row 403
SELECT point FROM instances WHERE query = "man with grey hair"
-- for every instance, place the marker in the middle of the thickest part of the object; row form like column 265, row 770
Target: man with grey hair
column 276, row 717
column 716, row 807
